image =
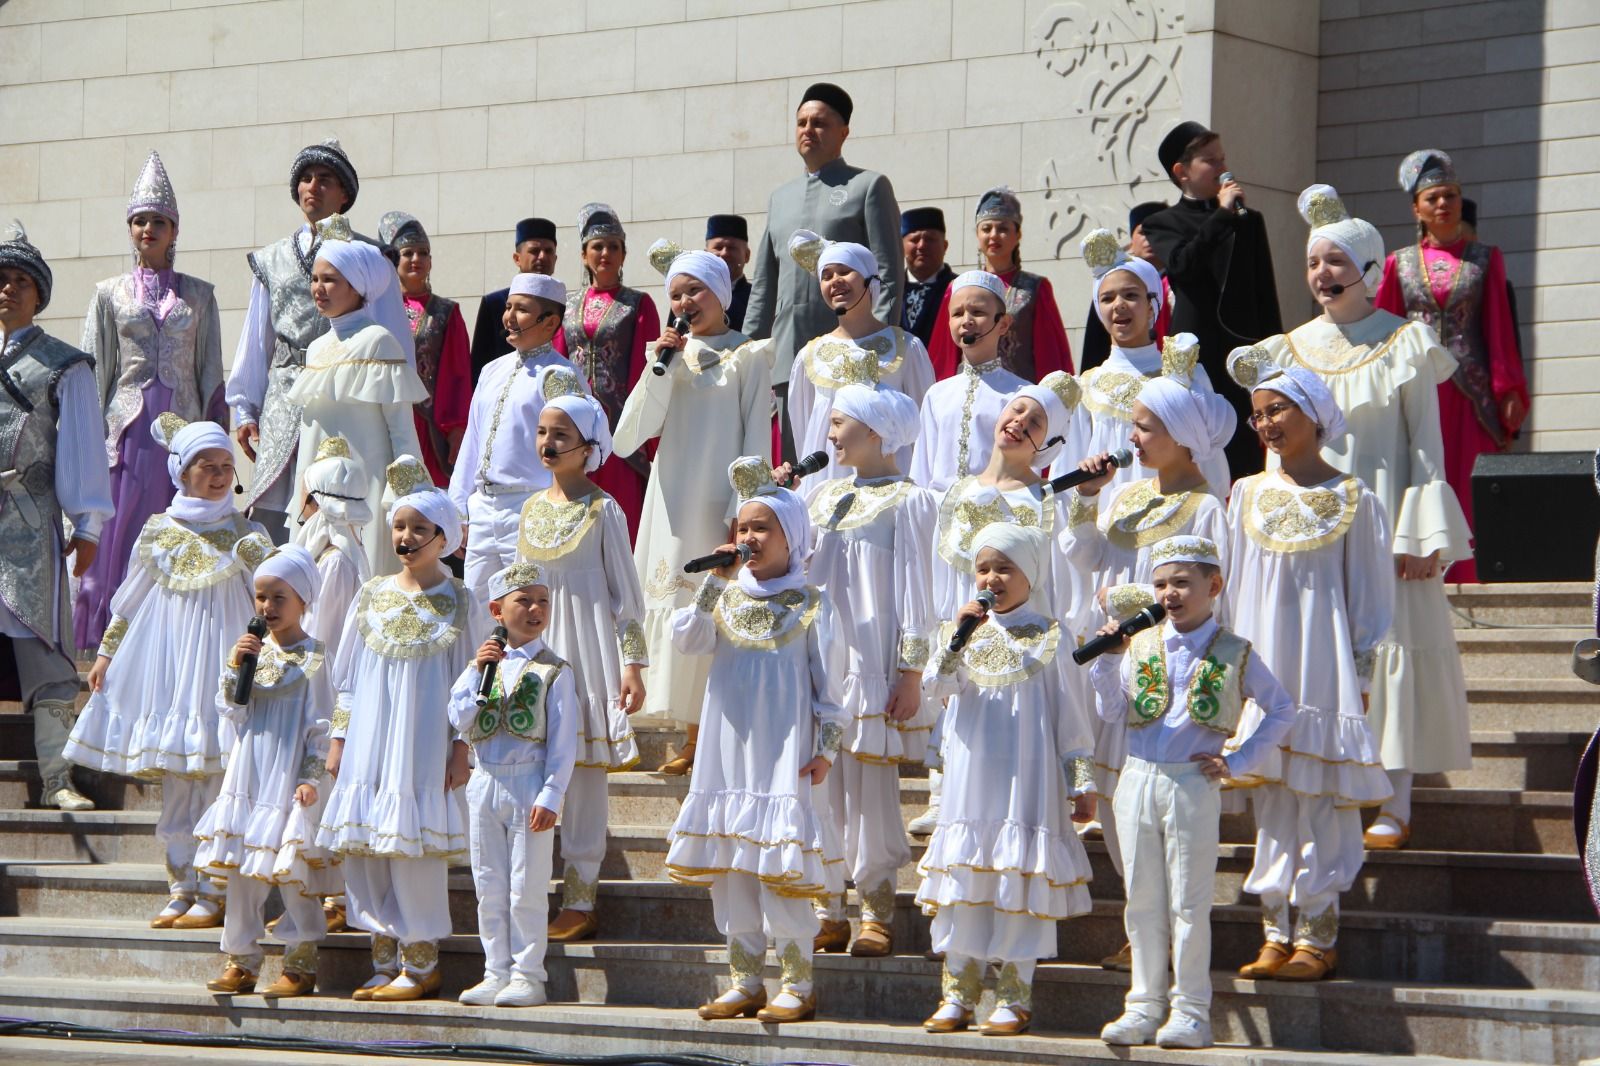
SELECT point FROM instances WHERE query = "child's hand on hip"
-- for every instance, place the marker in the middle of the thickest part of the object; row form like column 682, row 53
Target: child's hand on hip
column 1215, row 767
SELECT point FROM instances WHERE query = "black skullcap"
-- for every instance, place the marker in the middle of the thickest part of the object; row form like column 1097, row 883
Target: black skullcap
column 921, row 218
column 1469, row 212
column 727, row 226
column 1173, row 144
column 328, row 154
column 535, row 229
column 1139, row 212
column 828, row 93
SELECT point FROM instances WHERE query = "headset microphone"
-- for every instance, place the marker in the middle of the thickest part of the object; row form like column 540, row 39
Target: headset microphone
column 1338, row 290
column 406, row 549
column 969, row 339
column 842, row 311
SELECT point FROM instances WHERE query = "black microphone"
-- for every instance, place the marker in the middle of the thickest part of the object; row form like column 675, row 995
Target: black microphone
column 407, row 549
column 964, row 631
column 716, row 560
column 664, row 355
column 847, row 308
column 247, row 665
column 1117, row 460
column 809, row 465
column 486, row 675
column 969, row 339
column 1150, row 616
column 1238, row 204
column 1338, row 290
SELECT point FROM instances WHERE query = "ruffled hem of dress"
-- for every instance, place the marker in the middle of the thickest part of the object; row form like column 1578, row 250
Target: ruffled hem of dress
column 1013, row 868
column 360, row 821
column 1431, row 520
column 778, row 839
column 871, row 737
column 349, row 381
column 1325, row 754
column 303, row 866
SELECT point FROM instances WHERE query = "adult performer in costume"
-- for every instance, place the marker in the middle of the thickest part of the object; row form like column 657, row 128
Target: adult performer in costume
column 728, row 238
column 156, row 340
column 1456, row 286
column 928, row 276
column 534, row 253
column 1383, row 372
column 604, row 334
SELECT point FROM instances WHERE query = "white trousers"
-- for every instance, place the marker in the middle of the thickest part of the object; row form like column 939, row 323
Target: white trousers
column 1307, row 853
column 583, row 836
column 184, row 801
column 749, row 914
column 491, row 540
column 405, row 900
column 244, row 923
column 510, row 869
column 1168, row 818
column 863, row 801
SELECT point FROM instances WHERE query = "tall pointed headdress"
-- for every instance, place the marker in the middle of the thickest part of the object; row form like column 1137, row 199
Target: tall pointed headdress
column 152, row 191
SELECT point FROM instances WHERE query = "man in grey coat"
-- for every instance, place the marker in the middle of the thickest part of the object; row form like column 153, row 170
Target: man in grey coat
column 838, row 201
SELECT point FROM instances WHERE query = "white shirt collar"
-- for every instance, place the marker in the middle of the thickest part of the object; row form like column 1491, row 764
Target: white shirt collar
column 1198, row 637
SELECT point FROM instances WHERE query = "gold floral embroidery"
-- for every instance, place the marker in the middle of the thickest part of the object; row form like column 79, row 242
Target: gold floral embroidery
column 1275, row 922
column 711, row 591
column 998, row 655
column 1125, row 601
column 1142, row 516
column 1111, row 392
column 962, row 517
column 576, row 892
column 385, row 949
column 965, row 988
column 551, row 528
column 183, row 560
column 1081, row 509
column 341, row 718
column 664, row 583
column 844, row 503
column 1011, row 990
column 282, row 668
column 1080, row 774
column 796, row 965
column 404, row 625
column 877, row 904
column 312, row 767
column 112, row 640
column 744, row 965
column 1318, row 930
column 830, row 738
column 913, row 652
column 1287, row 518
column 631, row 640
column 420, row 957
column 301, row 959
column 750, row 622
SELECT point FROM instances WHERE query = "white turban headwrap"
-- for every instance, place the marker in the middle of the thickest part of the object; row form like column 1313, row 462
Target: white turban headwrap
column 1058, row 394
column 185, row 444
column 1201, row 421
column 857, row 257
column 1105, row 256
column 293, row 564
column 706, row 268
column 1310, row 393
column 889, row 413
column 436, row 507
column 751, row 478
column 590, row 419
column 338, row 481
column 371, row 274
column 1025, row 546
column 1357, row 238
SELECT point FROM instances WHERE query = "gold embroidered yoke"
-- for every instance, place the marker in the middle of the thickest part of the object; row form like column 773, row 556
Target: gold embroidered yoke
column 552, row 532
column 1291, row 518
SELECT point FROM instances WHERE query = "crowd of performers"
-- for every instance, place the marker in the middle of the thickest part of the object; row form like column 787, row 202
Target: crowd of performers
column 916, row 600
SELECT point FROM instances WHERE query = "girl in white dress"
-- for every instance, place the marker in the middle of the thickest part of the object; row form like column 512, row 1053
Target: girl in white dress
column 848, row 276
column 276, row 765
column 579, row 537
column 1003, row 866
column 1126, row 294
column 1310, row 578
column 872, row 556
column 712, row 405
column 394, row 815
column 186, row 598
column 360, row 377
column 774, row 722
column 1384, row 371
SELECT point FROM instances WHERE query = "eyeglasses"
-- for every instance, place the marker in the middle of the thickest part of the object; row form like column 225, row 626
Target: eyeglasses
column 1273, row 414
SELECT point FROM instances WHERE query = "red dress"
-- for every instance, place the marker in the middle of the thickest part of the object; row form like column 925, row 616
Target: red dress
column 1035, row 345
column 444, row 363
column 1460, row 291
column 604, row 334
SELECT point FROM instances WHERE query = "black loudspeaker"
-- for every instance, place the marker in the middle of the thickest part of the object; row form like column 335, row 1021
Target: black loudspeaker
column 1535, row 516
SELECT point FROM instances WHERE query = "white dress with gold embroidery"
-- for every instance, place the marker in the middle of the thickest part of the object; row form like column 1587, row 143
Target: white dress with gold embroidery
column 282, row 744
column 773, row 702
column 1310, row 579
column 361, row 388
column 1004, row 859
column 968, row 506
column 174, row 620
column 713, row 405
column 596, row 610
column 339, row 581
column 903, row 365
column 400, row 654
column 1385, row 372
column 872, row 554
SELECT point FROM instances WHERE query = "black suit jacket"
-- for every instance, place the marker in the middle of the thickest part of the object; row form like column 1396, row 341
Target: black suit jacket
column 489, row 332
column 741, row 300
column 928, row 317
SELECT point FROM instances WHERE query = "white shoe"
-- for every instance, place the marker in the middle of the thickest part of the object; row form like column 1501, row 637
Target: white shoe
column 1131, row 1030
column 521, row 992
column 1182, row 1031
column 484, row 992
column 69, row 799
column 925, row 823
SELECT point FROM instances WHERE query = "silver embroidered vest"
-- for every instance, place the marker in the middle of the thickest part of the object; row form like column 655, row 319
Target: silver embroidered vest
column 1459, row 324
column 295, row 324
column 30, row 514
column 1016, row 347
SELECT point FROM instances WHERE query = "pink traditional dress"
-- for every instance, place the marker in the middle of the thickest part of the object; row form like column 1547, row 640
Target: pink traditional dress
column 1459, row 290
column 444, row 364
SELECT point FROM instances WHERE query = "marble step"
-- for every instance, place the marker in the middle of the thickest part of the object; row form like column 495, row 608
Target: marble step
column 1505, row 1024
column 1558, row 702
column 1378, row 945
column 1532, row 653
column 1552, row 603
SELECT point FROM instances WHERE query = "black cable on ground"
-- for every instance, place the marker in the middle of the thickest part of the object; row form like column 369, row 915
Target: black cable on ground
column 400, row 1049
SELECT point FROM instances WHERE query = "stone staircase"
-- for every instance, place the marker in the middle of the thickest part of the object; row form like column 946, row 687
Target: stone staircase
column 1477, row 944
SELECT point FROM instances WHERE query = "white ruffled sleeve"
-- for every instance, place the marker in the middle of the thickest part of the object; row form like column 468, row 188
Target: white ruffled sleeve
column 344, row 667
column 828, row 653
column 316, row 723
column 1430, row 517
column 645, row 411
column 463, row 706
column 371, row 368
column 802, row 393
column 694, row 630
column 913, row 585
column 917, row 371
column 622, row 583
column 945, row 675
column 1369, row 581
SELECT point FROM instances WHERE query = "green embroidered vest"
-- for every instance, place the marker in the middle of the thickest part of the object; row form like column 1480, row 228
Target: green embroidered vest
column 522, row 714
column 1216, row 697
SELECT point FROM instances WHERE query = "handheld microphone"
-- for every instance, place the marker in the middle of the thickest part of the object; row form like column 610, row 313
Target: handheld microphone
column 1117, row 460
column 809, row 465
column 1238, row 205
column 1150, row 616
column 717, row 559
column 247, row 665
column 964, row 631
column 664, row 355
column 407, row 549
column 1338, row 289
column 486, row 675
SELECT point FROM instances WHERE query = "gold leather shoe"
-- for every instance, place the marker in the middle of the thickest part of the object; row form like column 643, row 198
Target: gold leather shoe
column 874, row 941
column 749, row 1006
column 365, row 991
column 1121, row 962
column 191, row 920
column 338, row 922
column 164, row 921
column 235, row 981
column 1309, row 964
column 834, row 935
column 290, row 984
column 424, row 987
column 1268, row 963
column 1016, row 1028
column 682, row 764
column 805, row 1012
column 571, row 926
column 936, row 1024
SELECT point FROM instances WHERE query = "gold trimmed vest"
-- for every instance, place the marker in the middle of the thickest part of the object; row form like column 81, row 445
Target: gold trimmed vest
column 1215, row 697
column 523, row 712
